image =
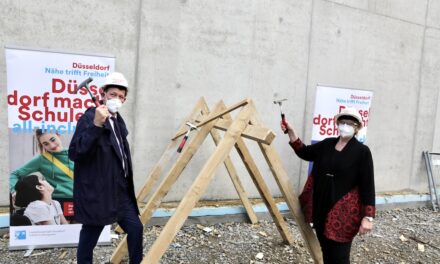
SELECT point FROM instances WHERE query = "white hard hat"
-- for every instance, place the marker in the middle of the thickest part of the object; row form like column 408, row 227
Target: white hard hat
column 115, row 79
column 351, row 112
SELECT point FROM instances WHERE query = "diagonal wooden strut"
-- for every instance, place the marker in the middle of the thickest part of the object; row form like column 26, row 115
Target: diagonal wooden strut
column 216, row 116
column 262, row 188
column 246, row 125
column 156, row 198
column 197, row 188
column 264, row 191
column 166, row 156
column 292, row 201
column 231, row 169
column 169, row 151
column 236, row 180
column 252, row 132
column 291, row 198
column 237, row 183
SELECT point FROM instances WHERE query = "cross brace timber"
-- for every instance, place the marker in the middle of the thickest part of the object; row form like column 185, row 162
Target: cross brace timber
column 233, row 137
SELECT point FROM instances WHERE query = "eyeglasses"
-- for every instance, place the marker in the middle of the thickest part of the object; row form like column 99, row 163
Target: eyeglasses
column 345, row 122
column 114, row 95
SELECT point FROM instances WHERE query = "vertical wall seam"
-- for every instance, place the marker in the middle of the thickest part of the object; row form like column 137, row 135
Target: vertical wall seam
column 415, row 140
column 136, row 73
column 438, row 93
column 253, row 56
column 309, row 52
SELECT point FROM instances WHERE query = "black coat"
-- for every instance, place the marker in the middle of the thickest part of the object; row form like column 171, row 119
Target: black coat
column 336, row 173
column 98, row 163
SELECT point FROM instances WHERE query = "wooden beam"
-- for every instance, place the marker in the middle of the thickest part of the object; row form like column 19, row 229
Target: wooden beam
column 291, row 198
column 292, row 201
column 168, row 153
column 197, row 189
column 211, row 118
column 252, row 132
column 236, row 181
column 264, row 191
column 156, row 198
column 261, row 186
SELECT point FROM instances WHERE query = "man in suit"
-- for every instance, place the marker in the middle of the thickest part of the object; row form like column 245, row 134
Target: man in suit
column 103, row 186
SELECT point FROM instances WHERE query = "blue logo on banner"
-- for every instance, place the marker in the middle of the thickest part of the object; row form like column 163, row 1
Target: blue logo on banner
column 20, row 235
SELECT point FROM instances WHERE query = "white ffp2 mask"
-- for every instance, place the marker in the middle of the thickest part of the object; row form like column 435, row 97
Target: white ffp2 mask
column 346, row 130
column 113, row 105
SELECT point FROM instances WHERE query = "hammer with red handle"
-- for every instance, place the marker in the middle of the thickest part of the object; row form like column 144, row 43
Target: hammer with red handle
column 185, row 138
column 283, row 118
column 85, row 84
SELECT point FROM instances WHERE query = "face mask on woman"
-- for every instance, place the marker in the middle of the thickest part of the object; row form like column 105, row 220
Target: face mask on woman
column 113, row 105
column 346, row 130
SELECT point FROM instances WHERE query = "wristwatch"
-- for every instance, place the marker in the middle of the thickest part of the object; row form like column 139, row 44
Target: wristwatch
column 369, row 218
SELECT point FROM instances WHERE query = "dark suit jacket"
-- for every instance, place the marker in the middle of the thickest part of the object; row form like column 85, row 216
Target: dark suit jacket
column 98, row 164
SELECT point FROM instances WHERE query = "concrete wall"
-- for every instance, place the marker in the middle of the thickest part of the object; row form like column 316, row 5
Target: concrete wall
column 174, row 51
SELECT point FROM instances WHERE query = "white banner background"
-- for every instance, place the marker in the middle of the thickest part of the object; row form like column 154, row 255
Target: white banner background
column 44, row 236
column 330, row 101
column 41, row 94
column 41, row 87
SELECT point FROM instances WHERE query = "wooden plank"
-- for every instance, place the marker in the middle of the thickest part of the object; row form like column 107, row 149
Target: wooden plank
column 259, row 182
column 197, row 189
column 153, row 177
column 156, row 198
column 236, row 181
column 292, row 201
column 291, row 198
column 169, row 152
column 209, row 119
column 166, row 156
column 252, row 132
column 264, row 191
column 232, row 171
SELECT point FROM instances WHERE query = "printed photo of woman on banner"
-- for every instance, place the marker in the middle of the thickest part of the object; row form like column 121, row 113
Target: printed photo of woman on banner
column 45, row 101
column 54, row 165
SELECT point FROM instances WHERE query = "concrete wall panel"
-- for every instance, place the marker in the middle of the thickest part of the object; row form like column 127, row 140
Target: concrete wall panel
column 412, row 11
column 425, row 131
column 431, row 79
column 433, row 17
column 76, row 26
column 174, row 51
column 360, row 50
column 220, row 50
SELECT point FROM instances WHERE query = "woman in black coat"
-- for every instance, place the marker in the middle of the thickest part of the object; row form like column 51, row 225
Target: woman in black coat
column 339, row 195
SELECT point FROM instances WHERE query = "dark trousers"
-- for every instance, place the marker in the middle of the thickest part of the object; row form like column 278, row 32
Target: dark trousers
column 129, row 222
column 334, row 252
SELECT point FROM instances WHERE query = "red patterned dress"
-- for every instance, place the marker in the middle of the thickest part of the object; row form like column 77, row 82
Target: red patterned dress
column 340, row 190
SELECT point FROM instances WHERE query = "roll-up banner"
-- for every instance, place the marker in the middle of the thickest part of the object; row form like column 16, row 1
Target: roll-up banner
column 43, row 110
column 330, row 101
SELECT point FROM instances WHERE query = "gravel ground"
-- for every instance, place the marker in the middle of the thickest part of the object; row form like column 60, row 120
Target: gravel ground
column 400, row 236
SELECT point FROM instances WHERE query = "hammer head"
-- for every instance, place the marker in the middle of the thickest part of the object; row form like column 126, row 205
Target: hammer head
column 84, row 84
column 191, row 126
column 279, row 101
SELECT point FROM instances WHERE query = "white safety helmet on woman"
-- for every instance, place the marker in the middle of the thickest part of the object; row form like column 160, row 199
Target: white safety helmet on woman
column 350, row 113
